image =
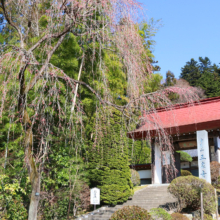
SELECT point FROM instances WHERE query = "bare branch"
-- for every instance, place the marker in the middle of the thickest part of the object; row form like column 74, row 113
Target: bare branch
column 10, row 22
column 37, row 76
column 49, row 36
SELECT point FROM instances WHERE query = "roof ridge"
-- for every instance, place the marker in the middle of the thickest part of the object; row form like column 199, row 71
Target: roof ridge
column 186, row 105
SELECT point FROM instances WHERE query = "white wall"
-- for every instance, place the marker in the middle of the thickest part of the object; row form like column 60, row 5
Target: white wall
column 144, row 174
column 157, row 171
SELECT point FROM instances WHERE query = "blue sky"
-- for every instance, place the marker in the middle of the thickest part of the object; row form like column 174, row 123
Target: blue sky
column 191, row 28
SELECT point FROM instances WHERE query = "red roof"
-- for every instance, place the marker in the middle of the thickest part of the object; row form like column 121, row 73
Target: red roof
column 181, row 118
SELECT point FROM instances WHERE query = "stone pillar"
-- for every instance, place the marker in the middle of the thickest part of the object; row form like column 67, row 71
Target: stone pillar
column 203, row 155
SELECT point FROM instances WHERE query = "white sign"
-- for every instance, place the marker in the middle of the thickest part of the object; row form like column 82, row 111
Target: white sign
column 166, row 157
column 203, row 155
column 95, row 196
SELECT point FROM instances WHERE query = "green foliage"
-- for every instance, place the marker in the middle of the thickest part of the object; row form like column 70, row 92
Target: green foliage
column 202, row 74
column 139, row 152
column 190, row 72
column 178, row 216
column 12, row 199
column 187, row 190
column 57, row 210
column 153, row 83
column 64, row 171
column 207, row 217
column 197, row 216
column 108, row 162
column 64, row 166
column 184, row 156
column 186, row 173
column 66, row 56
column 131, row 213
column 170, row 79
column 147, row 30
column 135, row 177
column 159, row 213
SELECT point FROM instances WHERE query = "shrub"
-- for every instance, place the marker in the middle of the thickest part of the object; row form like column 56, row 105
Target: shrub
column 178, row 216
column 217, row 183
column 157, row 213
column 207, row 217
column 135, row 177
column 187, row 190
column 184, row 156
column 131, row 213
column 186, row 173
column 215, row 169
column 12, row 199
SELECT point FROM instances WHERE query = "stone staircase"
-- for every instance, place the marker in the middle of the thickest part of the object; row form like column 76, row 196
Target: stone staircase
column 152, row 196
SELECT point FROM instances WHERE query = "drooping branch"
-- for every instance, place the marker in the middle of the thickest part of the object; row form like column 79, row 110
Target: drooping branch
column 157, row 95
column 43, row 68
column 10, row 22
column 51, row 36
column 98, row 96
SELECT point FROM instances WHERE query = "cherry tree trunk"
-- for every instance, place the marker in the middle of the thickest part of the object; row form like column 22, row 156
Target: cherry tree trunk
column 34, row 173
column 35, row 198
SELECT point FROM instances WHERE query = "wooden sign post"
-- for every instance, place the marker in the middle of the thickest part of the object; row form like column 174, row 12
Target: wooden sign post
column 216, row 199
column 202, row 207
column 95, row 197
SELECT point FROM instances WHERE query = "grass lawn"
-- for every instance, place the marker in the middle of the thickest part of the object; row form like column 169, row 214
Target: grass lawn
column 136, row 188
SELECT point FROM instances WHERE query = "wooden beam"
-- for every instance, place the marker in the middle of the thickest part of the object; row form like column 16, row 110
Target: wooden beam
column 191, row 136
column 152, row 162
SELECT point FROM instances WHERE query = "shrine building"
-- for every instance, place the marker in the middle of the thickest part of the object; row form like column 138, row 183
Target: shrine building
column 193, row 128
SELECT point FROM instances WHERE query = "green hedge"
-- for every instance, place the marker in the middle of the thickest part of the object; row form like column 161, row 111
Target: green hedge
column 159, row 213
column 184, row 156
column 186, row 173
column 131, row 213
column 187, row 190
column 178, row 216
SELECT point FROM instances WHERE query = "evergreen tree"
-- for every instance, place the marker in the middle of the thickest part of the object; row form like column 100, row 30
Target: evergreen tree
column 210, row 82
column 204, row 75
column 190, row 72
column 170, row 79
column 108, row 161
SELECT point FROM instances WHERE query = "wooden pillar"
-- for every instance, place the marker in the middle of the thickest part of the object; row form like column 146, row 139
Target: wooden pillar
column 177, row 163
column 158, row 164
column 217, row 148
column 152, row 161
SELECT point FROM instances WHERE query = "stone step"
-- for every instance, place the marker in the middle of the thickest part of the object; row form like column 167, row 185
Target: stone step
column 152, row 196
